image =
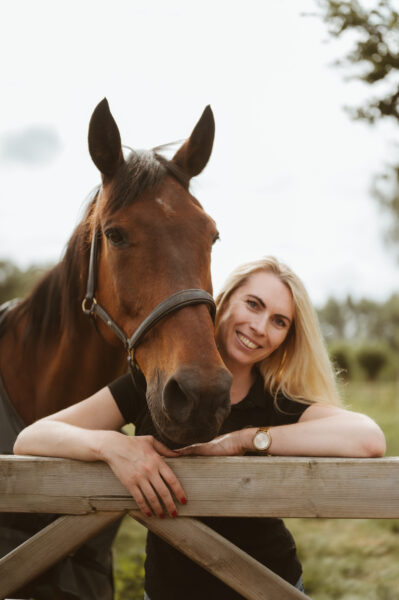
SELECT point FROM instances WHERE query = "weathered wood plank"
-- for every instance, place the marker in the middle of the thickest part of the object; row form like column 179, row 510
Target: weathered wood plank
column 41, row 504
column 217, row 486
column 47, row 547
column 220, row 557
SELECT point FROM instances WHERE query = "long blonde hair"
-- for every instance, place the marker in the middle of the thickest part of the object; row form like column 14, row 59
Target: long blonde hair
column 300, row 368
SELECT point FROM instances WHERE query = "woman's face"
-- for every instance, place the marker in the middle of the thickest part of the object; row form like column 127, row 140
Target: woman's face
column 255, row 321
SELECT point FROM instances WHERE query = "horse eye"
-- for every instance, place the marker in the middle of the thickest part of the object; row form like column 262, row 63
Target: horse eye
column 216, row 237
column 115, row 236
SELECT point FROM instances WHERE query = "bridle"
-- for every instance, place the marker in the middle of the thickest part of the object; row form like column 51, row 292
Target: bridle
column 175, row 302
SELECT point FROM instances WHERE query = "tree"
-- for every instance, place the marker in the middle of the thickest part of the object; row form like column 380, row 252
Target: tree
column 15, row 283
column 361, row 321
column 333, row 320
column 373, row 59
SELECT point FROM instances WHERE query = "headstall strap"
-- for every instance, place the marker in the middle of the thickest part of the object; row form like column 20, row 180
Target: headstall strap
column 168, row 306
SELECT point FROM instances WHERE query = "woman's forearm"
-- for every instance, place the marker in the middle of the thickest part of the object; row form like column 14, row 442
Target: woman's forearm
column 348, row 435
column 58, row 439
column 137, row 462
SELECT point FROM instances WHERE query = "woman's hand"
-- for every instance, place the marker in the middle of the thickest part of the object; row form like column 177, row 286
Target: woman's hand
column 229, row 444
column 138, row 464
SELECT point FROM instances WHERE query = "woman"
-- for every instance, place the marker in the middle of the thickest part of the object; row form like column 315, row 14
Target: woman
column 283, row 388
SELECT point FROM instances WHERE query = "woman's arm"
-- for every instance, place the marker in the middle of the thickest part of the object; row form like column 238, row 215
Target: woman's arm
column 78, row 431
column 320, row 431
column 329, row 431
column 88, row 431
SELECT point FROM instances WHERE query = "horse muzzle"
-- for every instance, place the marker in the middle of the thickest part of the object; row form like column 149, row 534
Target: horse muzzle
column 194, row 405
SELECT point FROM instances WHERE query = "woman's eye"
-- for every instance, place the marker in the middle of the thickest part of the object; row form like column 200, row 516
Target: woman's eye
column 252, row 304
column 279, row 322
column 115, row 236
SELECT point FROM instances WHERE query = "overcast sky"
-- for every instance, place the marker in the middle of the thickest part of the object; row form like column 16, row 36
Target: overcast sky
column 290, row 173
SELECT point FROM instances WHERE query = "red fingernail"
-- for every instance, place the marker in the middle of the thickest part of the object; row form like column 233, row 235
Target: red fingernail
column 183, row 500
column 149, row 514
column 174, row 513
column 162, row 516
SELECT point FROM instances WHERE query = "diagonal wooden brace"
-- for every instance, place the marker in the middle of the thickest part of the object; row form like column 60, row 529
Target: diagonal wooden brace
column 48, row 546
column 220, row 557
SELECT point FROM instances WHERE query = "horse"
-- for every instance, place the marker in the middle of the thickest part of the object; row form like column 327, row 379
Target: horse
column 139, row 266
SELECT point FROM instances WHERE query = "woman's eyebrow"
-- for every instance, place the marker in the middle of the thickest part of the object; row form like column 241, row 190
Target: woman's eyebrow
column 258, row 299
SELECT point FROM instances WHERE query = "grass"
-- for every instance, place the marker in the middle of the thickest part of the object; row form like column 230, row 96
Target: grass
column 345, row 559
column 129, row 561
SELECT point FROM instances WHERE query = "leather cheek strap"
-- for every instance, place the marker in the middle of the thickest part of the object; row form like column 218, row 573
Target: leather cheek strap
column 170, row 305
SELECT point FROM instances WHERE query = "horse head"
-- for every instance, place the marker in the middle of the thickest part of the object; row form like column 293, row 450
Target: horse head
column 154, row 239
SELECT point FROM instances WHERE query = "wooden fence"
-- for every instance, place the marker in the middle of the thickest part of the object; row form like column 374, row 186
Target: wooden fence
column 89, row 497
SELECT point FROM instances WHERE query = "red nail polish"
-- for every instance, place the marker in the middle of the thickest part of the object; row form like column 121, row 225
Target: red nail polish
column 174, row 514
column 149, row 514
column 183, row 500
column 162, row 516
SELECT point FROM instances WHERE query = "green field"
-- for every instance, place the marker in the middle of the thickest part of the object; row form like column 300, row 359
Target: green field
column 342, row 559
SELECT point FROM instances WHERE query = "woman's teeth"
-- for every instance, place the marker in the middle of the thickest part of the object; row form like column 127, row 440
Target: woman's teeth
column 246, row 341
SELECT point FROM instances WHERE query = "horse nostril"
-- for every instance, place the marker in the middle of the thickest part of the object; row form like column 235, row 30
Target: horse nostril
column 177, row 404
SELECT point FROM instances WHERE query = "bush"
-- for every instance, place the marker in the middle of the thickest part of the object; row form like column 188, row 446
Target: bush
column 372, row 359
column 342, row 359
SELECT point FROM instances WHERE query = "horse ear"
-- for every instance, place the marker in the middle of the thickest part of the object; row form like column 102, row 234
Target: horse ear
column 105, row 145
column 193, row 155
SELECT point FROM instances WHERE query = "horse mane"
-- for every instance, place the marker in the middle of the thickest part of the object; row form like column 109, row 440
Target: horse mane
column 54, row 304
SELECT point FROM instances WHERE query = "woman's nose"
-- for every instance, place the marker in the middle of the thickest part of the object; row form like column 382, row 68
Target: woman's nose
column 259, row 325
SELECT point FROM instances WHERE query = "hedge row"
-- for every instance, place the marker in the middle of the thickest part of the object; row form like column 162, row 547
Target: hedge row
column 369, row 361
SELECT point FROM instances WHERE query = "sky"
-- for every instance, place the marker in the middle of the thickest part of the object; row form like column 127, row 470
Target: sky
column 290, row 173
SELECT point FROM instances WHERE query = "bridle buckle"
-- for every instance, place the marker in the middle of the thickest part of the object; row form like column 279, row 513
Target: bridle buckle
column 131, row 355
column 88, row 310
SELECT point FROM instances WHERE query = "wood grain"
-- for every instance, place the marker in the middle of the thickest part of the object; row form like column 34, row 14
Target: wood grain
column 220, row 557
column 226, row 486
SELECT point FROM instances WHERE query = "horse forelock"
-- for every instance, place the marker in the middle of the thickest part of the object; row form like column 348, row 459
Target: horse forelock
column 142, row 170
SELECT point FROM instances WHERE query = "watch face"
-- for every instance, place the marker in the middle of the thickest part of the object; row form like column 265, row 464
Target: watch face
column 262, row 440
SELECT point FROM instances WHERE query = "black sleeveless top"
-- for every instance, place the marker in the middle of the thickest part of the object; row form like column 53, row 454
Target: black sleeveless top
column 170, row 575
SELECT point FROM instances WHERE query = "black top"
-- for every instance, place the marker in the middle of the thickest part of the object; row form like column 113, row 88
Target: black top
column 170, row 575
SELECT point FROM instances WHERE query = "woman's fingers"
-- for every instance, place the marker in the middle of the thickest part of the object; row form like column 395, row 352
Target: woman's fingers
column 194, row 449
column 140, row 466
column 158, row 491
column 152, row 498
column 165, row 495
column 170, row 478
column 163, row 450
column 228, row 444
column 141, row 501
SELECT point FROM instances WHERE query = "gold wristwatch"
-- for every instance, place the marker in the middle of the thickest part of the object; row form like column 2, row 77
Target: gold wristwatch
column 262, row 440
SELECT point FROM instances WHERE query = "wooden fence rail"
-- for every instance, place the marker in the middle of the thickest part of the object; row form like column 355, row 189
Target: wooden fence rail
column 92, row 497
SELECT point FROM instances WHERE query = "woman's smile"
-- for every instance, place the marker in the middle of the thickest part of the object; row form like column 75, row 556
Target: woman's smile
column 251, row 345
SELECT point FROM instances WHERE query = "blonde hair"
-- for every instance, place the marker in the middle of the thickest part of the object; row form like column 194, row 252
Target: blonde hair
column 300, row 368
